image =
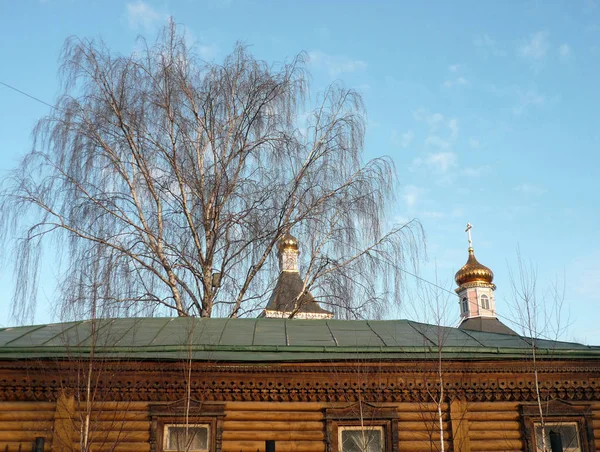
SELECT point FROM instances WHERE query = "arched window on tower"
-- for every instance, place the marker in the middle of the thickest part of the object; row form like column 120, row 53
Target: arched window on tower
column 485, row 302
column 465, row 305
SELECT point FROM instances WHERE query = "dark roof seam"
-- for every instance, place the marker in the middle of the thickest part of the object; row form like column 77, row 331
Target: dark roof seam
column 331, row 332
column 376, row 334
column 419, row 332
column 161, row 329
column 74, row 325
column 223, row 330
column 24, row 334
column 108, row 322
column 126, row 331
column 472, row 337
column 254, row 331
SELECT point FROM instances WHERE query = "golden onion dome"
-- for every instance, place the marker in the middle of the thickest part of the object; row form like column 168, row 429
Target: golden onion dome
column 473, row 272
column 288, row 241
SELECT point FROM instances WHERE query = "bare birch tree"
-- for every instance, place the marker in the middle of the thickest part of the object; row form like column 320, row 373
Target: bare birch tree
column 540, row 316
column 175, row 178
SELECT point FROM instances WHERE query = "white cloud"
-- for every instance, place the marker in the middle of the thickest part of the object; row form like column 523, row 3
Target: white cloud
column 411, row 194
column 335, row 64
column 564, row 52
column 487, row 46
column 436, row 142
column 454, row 68
column 140, row 15
column 459, row 81
column 432, row 214
column 526, row 100
column 432, row 119
column 475, row 172
column 453, row 126
column 474, row 143
column 207, row 51
column 530, row 189
column 536, row 47
column 403, row 140
column 442, row 161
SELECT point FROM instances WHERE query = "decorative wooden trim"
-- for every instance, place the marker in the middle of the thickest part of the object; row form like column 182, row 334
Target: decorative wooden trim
column 558, row 411
column 334, row 382
column 182, row 412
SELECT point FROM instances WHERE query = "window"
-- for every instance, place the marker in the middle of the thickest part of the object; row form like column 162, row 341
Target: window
column 465, row 305
column 360, row 439
column 564, row 436
column 485, row 302
column 366, row 428
column 185, row 437
column 186, row 427
column 567, row 423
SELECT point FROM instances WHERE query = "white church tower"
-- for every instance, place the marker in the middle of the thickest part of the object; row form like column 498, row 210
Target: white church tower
column 476, row 294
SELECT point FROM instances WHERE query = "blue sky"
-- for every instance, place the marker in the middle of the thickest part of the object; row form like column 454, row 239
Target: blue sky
column 488, row 109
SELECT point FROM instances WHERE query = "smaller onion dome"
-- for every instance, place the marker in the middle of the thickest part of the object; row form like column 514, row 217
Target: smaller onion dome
column 473, row 272
column 288, row 241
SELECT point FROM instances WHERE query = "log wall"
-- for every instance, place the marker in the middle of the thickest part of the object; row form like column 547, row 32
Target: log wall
column 295, row 426
column 22, row 422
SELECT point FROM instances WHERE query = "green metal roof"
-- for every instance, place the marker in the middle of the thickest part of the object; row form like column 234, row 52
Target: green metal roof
column 268, row 340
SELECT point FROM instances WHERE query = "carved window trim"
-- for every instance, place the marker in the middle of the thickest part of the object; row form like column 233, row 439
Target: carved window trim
column 557, row 411
column 368, row 415
column 181, row 413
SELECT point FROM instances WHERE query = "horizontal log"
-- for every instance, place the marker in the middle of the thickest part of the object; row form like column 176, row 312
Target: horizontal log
column 112, row 406
column 272, row 425
column 493, row 406
column 493, row 416
column 21, row 436
column 273, row 435
column 116, row 416
column 27, row 406
column 283, row 416
column 118, row 447
column 120, row 426
column 115, row 437
column 41, row 416
column 503, row 450
column 282, row 446
column 274, row 406
column 494, row 435
column 423, row 417
column 420, row 446
column 496, row 445
column 26, row 425
column 25, row 445
column 423, row 426
column 406, row 407
column 431, row 435
column 499, row 425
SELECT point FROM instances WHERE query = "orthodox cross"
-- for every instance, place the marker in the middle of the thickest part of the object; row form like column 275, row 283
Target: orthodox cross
column 468, row 231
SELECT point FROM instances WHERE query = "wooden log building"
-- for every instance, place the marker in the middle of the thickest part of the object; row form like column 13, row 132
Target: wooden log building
column 306, row 384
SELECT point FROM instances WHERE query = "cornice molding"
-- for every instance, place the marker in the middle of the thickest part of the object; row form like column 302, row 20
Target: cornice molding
column 328, row 382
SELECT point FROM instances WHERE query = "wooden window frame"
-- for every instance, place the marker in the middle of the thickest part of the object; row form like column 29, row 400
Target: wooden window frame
column 557, row 411
column 368, row 427
column 372, row 416
column 191, row 426
column 182, row 413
